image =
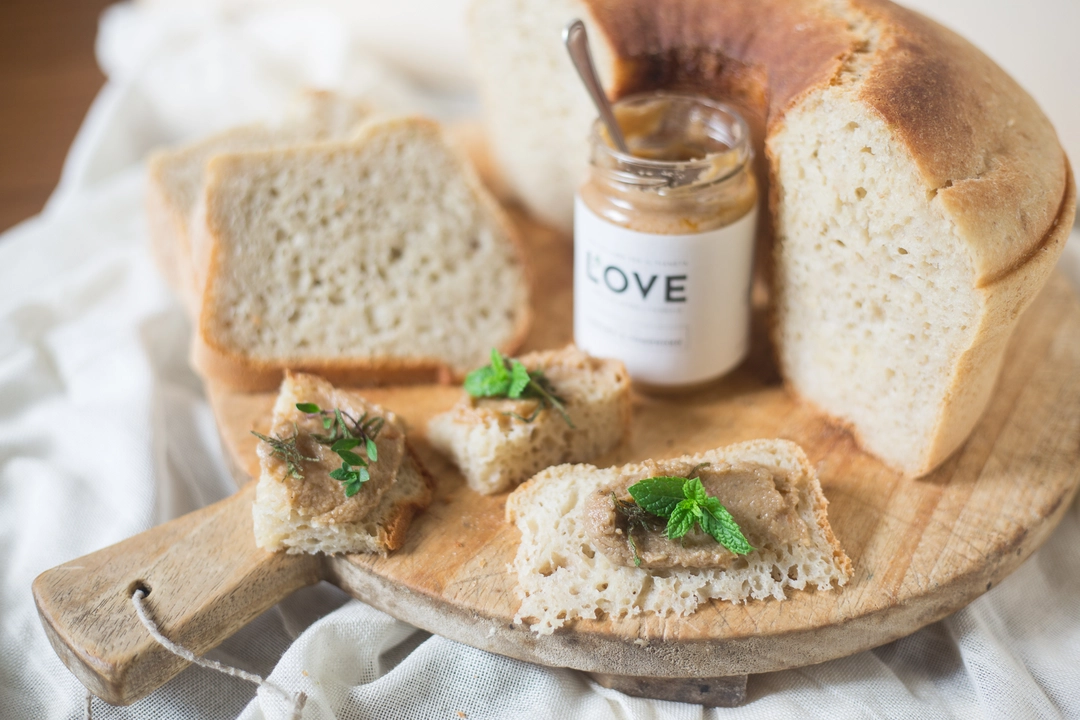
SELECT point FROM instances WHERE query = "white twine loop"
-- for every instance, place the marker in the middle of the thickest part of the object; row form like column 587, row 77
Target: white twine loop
column 297, row 700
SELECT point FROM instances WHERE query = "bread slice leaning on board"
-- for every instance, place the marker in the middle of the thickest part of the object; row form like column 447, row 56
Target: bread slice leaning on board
column 376, row 260
column 176, row 177
column 919, row 198
column 564, row 574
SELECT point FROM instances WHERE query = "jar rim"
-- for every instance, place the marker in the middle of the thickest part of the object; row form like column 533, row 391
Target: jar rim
column 736, row 136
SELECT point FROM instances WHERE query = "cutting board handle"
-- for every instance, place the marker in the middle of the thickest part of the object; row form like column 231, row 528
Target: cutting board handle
column 204, row 579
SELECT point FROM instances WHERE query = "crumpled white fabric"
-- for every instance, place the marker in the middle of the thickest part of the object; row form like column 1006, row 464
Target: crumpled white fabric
column 104, row 432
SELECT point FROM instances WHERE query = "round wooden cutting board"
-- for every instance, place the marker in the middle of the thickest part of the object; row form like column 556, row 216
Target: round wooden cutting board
column 921, row 549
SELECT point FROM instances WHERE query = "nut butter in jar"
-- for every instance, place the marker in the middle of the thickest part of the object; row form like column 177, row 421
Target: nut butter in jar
column 664, row 242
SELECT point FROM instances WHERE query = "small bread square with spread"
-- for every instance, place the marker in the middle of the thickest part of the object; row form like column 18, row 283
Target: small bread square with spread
column 337, row 474
column 498, row 442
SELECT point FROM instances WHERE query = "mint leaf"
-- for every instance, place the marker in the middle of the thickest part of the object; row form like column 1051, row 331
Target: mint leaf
column 681, row 520
column 658, row 495
column 719, row 523
column 486, row 382
column 340, row 474
column 498, row 365
column 309, row 408
column 507, row 378
column 685, row 502
column 694, row 490
column 519, row 379
column 372, row 450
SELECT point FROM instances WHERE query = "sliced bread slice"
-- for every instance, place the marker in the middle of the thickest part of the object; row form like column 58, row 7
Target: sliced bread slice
column 176, row 175
column 373, row 261
column 496, row 448
column 566, row 571
column 299, row 507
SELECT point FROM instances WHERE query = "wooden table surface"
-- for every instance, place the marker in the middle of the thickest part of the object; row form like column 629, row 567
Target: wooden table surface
column 48, row 78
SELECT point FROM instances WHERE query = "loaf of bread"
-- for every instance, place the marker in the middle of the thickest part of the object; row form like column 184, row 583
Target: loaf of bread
column 919, row 197
column 566, row 571
column 496, row 448
column 379, row 259
column 301, row 508
column 176, row 176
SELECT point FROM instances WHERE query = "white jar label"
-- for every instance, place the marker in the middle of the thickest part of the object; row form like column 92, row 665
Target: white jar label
column 674, row 308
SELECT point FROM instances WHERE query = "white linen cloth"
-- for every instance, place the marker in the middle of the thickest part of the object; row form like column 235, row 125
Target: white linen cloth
column 104, row 432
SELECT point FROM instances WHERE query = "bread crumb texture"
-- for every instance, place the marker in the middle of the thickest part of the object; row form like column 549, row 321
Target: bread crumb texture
column 496, row 451
column 873, row 283
column 381, row 247
column 563, row 576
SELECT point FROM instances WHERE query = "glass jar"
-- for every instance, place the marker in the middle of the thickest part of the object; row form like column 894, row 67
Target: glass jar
column 664, row 241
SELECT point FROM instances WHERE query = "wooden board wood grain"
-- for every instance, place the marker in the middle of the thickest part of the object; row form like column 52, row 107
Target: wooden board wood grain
column 921, row 548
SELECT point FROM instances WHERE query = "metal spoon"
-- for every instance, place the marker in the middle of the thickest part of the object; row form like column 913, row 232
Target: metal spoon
column 577, row 44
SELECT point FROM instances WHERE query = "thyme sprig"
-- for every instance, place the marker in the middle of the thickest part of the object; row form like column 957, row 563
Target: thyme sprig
column 509, row 378
column 344, row 433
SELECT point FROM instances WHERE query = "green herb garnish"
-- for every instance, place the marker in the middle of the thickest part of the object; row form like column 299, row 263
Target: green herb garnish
column 287, row 450
column 684, row 503
column 636, row 517
column 509, row 378
column 344, row 433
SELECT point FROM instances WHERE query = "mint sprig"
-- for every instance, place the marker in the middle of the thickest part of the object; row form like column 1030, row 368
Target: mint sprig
column 684, row 503
column 509, row 378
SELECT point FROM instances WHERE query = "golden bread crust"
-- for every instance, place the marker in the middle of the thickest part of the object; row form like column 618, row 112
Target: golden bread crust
column 983, row 146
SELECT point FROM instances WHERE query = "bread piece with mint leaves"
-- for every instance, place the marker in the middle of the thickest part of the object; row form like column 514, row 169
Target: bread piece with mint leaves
column 744, row 522
column 337, row 474
column 520, row 416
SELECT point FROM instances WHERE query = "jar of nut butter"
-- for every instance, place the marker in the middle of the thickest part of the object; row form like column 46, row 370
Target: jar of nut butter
column 664, row 241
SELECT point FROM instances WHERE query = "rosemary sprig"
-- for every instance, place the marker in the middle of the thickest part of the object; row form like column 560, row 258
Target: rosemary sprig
column 636, row 517
column 509, row 378
column 287, row 450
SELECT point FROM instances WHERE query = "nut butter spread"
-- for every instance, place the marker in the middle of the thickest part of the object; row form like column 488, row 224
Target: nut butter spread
column 316, row 494
column 765, row 509
column 506, row 410
column 706, row 185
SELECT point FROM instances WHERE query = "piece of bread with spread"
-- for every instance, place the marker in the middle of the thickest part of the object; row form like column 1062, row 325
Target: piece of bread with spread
column 176, row 177
column 376, row 260
column 589, row 549
column 337, row 473
column 919, row 198
column 499, row 441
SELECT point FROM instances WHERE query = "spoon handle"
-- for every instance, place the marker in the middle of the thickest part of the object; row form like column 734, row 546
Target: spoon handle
column 577, row 44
